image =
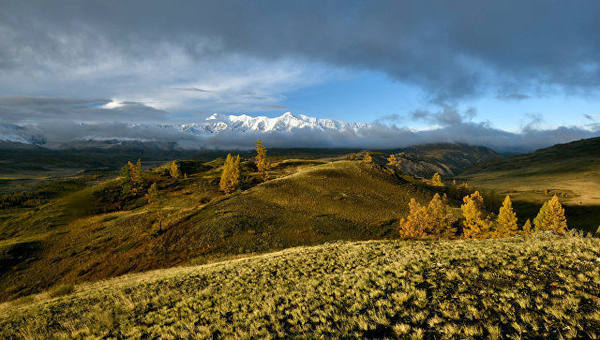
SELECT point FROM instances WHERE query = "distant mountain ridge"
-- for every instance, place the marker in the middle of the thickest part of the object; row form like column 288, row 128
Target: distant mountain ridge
column 287, row 122
column 216, row 124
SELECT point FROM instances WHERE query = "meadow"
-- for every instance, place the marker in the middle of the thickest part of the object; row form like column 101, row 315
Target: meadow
column 542, row 286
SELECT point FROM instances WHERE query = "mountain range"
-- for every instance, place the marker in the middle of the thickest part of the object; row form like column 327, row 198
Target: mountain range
column 216, row 124
column 229, row 132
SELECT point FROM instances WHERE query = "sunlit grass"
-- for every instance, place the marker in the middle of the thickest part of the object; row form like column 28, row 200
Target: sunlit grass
column 543, row 286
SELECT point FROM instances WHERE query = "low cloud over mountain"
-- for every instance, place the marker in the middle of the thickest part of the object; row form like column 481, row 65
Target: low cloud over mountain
column 55, row 122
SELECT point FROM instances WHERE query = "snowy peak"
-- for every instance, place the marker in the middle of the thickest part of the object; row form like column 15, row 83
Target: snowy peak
column 287, row 122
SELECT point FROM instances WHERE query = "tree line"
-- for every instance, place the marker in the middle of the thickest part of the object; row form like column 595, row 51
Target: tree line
column 437, row 219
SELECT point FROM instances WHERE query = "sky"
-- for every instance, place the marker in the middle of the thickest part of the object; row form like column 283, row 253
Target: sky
column 512, row 66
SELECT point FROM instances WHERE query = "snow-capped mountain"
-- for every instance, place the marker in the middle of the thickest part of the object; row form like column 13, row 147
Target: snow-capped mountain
column 288, row 122
column 19, row 134
column 215, row 131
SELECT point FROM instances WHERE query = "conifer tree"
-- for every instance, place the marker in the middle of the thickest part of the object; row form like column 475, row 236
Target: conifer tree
column 230, row 177
column 174, row 170
column 153, row 194
column 472, row 209
column 433, row 220
column 439, row 217
column 126, row 172
column 368, row 158
column 551, row 216
column 393, row 161
column 506, row 222
column 137, row 175
column 527, row 228
column 436, row 180
column 262, row 163
column 413, row 226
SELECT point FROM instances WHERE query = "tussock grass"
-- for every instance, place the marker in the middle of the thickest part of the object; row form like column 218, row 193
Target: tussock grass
column 543, row 286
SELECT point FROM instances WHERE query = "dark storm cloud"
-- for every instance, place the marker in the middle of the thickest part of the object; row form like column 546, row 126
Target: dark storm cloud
column 449, row 48
column 446, row 116
column 238, row 55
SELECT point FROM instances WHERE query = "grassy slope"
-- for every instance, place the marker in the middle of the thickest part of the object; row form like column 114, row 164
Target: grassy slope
column 545, row 286
column 310, row 203
column 570, row 170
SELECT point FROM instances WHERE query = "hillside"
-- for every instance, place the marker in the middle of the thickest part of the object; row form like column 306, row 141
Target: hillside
column 24, row 165
column 545, row 286
column 88, row 235
column 570, row 170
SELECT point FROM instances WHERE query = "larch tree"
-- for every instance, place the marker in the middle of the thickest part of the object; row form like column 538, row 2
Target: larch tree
column 436, row 180
column 551, row 216
column 230, row 177
column 472, row 210
column 413, row 226
column 153, row 194
column 393, row 161
column 527, row 227
column 432, row 220
column 439, row 217
column 126, row 172
column 262, row 163
column 506, row 222
column 137, row 175
column 174, row 170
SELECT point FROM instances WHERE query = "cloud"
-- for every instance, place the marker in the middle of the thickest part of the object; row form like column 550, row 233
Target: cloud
column 447, row 116
column 513, row 96
column 450, row 49
column 42, row 110
column 55, row 121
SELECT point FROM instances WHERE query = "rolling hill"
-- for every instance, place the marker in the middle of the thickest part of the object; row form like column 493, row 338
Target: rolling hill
column 82, row 235
column 541, row 287
column 572, row 171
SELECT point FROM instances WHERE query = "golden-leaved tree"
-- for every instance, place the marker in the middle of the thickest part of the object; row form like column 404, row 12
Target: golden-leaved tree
column 440, row 217
column 551, row 216
column 506, row 222
column 433, row 220
column 262, row 163
column 474, row 222
column 174, row 170
column 393, row 161
column 413, row 226
column 436, row 180
column 133, row 176
column 230, row 177
column 368, row 158
column 527, row 228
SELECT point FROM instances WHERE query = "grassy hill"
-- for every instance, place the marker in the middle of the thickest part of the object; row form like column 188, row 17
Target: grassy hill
column 539, row 287
column 84, row 235
column 572, row 171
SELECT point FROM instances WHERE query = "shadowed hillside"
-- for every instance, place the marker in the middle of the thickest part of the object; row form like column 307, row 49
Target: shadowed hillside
column 572, row 171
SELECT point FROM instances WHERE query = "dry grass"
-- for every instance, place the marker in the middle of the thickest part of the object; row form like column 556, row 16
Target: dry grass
column 544, row 286
column 308, row 202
